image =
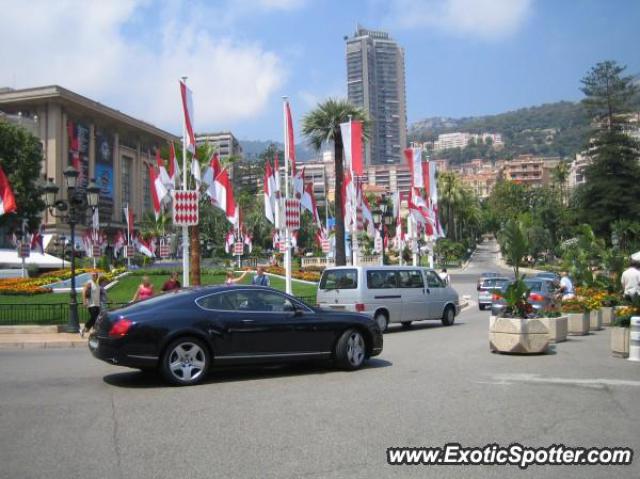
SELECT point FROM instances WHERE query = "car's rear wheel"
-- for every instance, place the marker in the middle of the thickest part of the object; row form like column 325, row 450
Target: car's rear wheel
column 449, row 316
column 351, row 350
column 382, row 320
column 185, row 362
column 406, row 324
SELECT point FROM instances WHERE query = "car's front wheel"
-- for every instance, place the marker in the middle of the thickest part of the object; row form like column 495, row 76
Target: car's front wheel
column 185, row 361
column 449, row 316
column 351, row 350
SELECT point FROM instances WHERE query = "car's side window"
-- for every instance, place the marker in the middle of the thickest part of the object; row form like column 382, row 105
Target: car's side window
column 382, row 279
column 433, row 280
column 410, row 279
column 220, row 301
column 272, row 303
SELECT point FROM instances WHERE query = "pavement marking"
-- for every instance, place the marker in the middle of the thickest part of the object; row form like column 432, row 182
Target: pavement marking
column 596, row 383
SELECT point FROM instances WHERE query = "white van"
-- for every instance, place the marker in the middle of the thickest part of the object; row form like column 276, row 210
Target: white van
column 389, row 294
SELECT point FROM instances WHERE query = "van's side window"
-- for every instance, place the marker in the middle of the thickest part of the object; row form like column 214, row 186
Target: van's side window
column 339, row 279
column 382, row 279
column 411, row 279
column 433, row 280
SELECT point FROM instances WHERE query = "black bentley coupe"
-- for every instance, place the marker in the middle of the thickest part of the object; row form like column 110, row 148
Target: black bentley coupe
column 186, row 332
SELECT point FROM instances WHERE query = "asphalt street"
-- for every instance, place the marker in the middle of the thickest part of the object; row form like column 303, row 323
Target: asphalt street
column 64, row 414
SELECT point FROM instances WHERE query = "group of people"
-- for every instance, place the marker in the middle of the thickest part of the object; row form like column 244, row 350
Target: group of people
column 94, row 293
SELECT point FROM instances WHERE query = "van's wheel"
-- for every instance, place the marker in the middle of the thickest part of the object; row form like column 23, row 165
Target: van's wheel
column 406, row 324
column 382, row 320
column 185, row 361
column 449, row 316
column 351, row 350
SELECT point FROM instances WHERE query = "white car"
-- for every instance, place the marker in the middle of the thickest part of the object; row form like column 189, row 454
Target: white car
column 389, row 294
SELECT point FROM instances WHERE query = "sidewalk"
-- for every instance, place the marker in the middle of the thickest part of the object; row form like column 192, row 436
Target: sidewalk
column 38, row 337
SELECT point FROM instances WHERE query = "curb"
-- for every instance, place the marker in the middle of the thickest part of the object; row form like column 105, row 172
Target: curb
column 43, row 345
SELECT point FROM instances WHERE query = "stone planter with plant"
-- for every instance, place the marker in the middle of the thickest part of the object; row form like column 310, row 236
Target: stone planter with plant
column 620, row 327
column 578, row 317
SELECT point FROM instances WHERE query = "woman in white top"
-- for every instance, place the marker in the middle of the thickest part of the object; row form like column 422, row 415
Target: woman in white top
column 231, row 280
column 91, row 296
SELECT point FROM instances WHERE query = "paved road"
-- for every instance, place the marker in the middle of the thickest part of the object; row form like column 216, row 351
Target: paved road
column 65, row 415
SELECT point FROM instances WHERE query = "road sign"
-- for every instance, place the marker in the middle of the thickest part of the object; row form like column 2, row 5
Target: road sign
column 185, row 207
column 238, row 248
column 326, row 246
column 164, row 251
column 292, row 213
column 24, row 250
column 96, row 251
column 129, row 251
column 283, row 246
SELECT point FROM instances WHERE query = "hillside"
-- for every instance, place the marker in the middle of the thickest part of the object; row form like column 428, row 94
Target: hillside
column 554, row 129
column 253, row 148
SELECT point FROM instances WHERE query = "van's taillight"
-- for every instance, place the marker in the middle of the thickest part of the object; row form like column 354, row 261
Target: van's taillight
column 359, row 307
column 120, row 328
column 496, row 297
column 536, row 297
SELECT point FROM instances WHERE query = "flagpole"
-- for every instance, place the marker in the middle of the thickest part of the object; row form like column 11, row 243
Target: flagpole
column 185, row 229
column 128, row 239
column 287, row 149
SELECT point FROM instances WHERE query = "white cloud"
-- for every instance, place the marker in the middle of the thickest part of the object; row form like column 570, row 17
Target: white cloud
column 94, row 48
column 487, row 19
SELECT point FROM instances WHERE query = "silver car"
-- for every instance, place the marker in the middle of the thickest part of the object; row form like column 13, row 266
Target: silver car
column 389, row 294
column 486, row 289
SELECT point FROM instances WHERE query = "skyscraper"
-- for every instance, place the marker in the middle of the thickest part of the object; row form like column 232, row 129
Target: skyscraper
column 375, row 81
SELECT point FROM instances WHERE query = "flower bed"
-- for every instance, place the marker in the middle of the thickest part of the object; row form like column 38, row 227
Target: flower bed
column 31, row 286
column 303, row 275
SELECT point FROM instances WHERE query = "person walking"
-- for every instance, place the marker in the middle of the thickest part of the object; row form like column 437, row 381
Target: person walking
column 444, row 276
column 172, row 283
column 91, row 299
column 566, row 287
column 630, row 279
column 260, row 279
column 144, row 291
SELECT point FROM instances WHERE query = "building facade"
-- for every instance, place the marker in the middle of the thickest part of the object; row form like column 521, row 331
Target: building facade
column 530, row 170
column 110, row 146
column 224, row 143
column 376, row 82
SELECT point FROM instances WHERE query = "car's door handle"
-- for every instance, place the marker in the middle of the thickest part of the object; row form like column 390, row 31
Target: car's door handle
column 248, row 320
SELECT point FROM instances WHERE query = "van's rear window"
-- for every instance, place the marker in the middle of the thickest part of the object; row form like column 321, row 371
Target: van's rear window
column 339, row 279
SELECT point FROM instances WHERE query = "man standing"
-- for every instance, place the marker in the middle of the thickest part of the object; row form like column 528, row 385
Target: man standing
column 566, row 287
column 260, row 279
column 631, row 277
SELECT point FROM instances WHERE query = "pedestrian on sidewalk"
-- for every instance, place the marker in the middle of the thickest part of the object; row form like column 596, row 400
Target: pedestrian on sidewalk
column 172, row 283
column 630, row 279
column 444, row 276
column 566, row 287
column 260, row 279
column 91, row 299
column 144, row 291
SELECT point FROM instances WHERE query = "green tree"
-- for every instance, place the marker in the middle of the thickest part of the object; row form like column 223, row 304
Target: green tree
column 514, row 243
column 21, row 160
column 450, row 191
column 322, row 125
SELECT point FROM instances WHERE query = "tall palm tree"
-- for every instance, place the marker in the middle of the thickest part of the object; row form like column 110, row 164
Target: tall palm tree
column 322, row 125
column 560, row 174
column 450, row 190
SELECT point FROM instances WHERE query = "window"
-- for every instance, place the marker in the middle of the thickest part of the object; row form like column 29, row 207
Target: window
column 125, row 167
column 382, row 279
column 433, row 280
column 339, row 279
column 411, row 279
column 254, row 301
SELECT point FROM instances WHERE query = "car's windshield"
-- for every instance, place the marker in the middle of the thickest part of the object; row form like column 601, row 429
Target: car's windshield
column 493, row 283
column 534, row 285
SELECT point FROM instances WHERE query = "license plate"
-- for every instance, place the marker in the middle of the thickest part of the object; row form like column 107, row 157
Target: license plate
column 93, row 343
column 338, row 307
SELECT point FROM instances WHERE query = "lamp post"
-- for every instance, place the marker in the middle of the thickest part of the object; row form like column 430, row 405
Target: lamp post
column 382, row 217
column 71, row 211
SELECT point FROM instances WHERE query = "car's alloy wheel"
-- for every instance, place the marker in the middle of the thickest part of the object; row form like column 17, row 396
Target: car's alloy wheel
column 351, row 349
column 186, row 361
column 449, row 316
column 382, row 321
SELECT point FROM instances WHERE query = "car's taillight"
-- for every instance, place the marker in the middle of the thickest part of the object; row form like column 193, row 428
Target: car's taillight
column 359, row 307
column 120, row 327
column 495, row 297
column 536, row 297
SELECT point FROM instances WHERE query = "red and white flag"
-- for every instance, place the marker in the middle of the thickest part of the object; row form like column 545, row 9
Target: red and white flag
column 128, row 214
column 174, row 169
column 162, row 170
column 229, row 240
column 367, row 215
column 352, row 141
column 7, row 200
column 247, row 238
column 144, row 246
column 298, row 183
column 289, row 144
column 308, row 202
column 119, row 243
column 212, row 170
column 269, row 193
column 158, row 191
column 187, row 109
column 37, row 239
column 414, row 159
column 275, row 239
column 349, row 199
column 224, row 197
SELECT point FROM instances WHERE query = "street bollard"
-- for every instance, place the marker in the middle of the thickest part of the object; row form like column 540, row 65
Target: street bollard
column 634, row 339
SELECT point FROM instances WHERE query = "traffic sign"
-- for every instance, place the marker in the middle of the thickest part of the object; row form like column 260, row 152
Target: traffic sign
column 24, row 250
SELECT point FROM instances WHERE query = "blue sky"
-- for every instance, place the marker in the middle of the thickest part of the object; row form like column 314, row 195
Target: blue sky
column 463, row 57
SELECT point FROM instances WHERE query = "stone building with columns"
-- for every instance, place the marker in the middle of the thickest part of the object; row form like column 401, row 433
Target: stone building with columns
column 106, row 144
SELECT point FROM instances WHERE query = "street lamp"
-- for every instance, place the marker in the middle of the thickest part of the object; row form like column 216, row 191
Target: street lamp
column 382, row 217
column 71, row 211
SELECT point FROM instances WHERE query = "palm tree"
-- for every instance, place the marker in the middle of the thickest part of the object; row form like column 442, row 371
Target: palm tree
column 560, row 175
column 322, row 125
column 514, row 244
column 450, row 189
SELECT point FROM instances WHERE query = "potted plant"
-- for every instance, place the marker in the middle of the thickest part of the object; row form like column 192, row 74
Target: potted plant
column 620, row 330
column 592, row 304
column 608, row 303
column 578, row 320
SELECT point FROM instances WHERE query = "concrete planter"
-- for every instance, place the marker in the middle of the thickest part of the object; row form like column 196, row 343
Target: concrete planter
column 557, row 328
column 578, row 323
column 620, row 342
column 519, row 336
column 595, row 320
column 606, row 312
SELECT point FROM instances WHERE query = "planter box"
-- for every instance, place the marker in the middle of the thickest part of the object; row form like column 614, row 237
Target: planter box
column 578, row 324
column 595, row 320
column 620, row 342
column 515, row 335
column 557, row 328
column 607, row 315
